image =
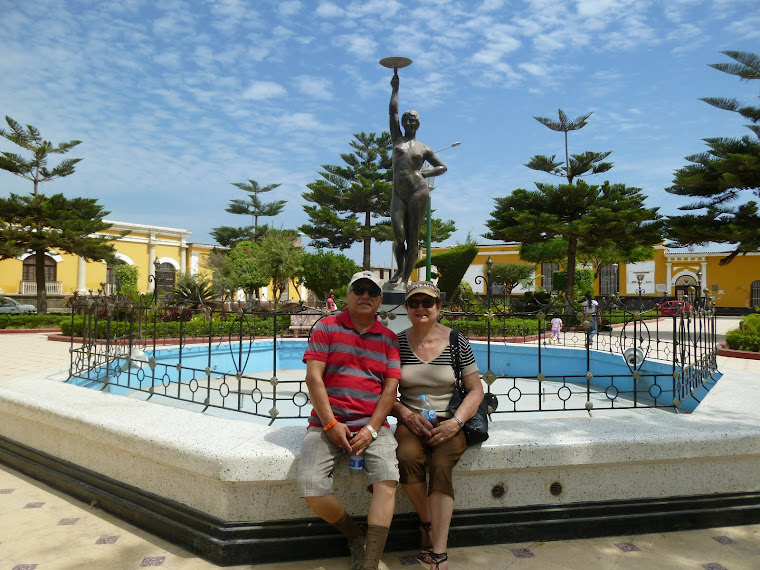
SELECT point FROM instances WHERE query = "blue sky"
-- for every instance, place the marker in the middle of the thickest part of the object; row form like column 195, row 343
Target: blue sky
column 174, row 100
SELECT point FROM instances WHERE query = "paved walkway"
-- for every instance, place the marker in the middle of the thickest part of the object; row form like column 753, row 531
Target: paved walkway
column 43, row 529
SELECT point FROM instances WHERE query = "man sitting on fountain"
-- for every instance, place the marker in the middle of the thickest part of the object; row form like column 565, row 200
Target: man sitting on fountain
column 352, row 373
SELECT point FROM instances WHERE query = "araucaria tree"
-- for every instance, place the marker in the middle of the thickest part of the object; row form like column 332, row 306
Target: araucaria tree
column 718, row 177
column 39, row 224
column 228, row 236
column 349, row 200
column 576, row 212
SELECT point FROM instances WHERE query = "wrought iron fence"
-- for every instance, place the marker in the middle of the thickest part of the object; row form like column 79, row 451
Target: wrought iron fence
column 203, row 357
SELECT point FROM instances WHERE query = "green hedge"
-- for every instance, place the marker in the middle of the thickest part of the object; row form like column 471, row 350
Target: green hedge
column 196, row 327
column 738, row 340
column 51, row 321
column 499, row 327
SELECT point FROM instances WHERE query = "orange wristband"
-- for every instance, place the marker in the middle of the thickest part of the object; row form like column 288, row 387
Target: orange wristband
column 329, row 426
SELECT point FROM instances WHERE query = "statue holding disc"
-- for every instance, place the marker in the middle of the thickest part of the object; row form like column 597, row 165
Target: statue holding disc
column 410, row 189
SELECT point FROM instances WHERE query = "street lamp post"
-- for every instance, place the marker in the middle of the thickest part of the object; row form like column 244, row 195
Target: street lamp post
column 428, row 238
column 640, row 279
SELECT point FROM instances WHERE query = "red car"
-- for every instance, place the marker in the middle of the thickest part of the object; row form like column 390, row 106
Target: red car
column 674, row 308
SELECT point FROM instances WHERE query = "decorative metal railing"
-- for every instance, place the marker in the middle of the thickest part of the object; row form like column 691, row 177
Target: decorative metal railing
column 51, row 288
column 239, row 361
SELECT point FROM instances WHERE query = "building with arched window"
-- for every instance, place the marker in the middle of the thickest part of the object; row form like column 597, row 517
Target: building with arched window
column 671, row 273
column 160, row 255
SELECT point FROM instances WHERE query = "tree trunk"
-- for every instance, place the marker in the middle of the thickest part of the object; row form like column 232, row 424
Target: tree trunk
column 367, row 242
column 572, row 252
column 39, row 274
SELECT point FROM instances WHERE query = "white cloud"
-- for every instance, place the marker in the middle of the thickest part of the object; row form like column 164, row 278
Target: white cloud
column 315, row 87
column 359, row 45
column 289, row 8
column 260, row 90
column 329, row 10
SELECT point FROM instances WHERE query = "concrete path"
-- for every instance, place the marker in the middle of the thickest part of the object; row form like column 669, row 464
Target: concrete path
column 43, row 529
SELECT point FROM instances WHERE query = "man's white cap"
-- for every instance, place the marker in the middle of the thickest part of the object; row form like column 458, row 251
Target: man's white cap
column 365, row 275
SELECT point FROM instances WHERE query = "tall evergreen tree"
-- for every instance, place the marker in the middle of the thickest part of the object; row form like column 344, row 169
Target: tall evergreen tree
column 579, row 214
column 351, row 201
column 576, row 165
column 39, row 224
column 228, row 236
column 718, row 177
column 566, row 210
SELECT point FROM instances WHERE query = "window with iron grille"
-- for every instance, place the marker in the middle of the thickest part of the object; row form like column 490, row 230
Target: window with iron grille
column 547, row 269
column 609, row 283
column 755, row 295
column 165, row 277
column 30, row 265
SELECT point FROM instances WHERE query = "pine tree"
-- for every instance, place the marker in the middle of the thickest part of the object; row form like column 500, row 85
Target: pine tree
column 349, row 200
column 719, row 176
column 228, row 236
column 40, row 224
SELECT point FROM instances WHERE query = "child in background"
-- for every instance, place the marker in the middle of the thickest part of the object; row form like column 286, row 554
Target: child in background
column 556, row 327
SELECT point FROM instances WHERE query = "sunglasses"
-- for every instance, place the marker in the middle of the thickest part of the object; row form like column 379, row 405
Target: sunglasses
column 415, row 303
column 360, row 290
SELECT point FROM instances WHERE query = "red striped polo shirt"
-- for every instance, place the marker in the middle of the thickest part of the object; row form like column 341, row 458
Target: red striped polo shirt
column 356, row 366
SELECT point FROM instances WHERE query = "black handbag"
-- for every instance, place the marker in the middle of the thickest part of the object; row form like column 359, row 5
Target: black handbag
column 476, row 428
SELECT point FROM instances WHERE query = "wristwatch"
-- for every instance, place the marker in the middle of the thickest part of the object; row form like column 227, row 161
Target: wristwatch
column 372, row 432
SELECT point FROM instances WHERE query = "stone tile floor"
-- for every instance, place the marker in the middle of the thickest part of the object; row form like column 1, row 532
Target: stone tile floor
column 43, row 529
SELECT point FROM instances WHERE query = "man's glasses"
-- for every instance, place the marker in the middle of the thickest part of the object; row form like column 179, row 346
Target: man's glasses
column 415, row 303
column 360, row 290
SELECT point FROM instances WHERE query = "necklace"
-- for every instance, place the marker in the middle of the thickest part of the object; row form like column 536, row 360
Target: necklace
column 423, row 342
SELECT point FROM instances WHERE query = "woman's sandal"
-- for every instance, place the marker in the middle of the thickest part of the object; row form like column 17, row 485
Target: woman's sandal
column 438, row 557
column 427, row 544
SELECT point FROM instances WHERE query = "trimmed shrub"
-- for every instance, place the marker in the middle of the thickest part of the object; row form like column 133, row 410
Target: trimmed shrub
column 49, row 321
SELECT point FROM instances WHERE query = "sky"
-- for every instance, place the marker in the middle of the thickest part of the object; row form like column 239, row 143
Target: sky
column 174, row 100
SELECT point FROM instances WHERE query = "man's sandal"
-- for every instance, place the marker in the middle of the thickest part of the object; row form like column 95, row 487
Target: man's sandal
column 438, row 557
column 427, row 544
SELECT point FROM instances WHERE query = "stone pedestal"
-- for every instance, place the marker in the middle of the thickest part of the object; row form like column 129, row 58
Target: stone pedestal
column 393, row 306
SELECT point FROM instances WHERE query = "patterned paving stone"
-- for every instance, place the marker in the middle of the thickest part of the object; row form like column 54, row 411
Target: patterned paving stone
column 6, row 491
column 522, row 553
column 65, row 522
column 627, row 546
column 409, row 560
column 107, row 540
column 153, row 561
column 713, row 566
column 33, row 505
column 724, row 539
column 25, row 566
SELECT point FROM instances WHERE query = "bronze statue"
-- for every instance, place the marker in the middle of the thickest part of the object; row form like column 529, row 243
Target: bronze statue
column 410, row 190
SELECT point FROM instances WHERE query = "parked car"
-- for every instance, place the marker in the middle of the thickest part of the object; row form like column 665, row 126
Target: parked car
column 674, row 308
column 10, row 306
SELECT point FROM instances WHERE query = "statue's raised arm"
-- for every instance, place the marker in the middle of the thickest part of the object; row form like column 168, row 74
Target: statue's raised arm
column 395, row 127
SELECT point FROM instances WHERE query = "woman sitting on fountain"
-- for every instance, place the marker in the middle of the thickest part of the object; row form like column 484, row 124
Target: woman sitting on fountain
column 427, row 368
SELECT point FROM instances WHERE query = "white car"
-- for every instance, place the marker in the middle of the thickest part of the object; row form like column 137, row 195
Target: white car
column 10, row 306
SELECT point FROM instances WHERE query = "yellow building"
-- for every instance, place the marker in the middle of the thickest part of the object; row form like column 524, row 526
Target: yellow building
column 160, row 255
column 66, row 274
column 669, row 274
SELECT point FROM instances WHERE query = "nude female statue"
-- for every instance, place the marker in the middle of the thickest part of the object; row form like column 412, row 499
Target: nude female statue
column 410, row 190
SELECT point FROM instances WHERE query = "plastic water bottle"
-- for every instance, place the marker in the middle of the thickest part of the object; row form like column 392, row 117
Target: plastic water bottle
column 427, row 411
column 355, row 474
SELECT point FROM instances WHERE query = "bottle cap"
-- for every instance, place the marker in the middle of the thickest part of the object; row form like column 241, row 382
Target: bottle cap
column 422, row 396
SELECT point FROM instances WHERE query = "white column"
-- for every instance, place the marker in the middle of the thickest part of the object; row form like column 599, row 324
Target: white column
column 81, row 276
column 669, row 284
column 183, row 256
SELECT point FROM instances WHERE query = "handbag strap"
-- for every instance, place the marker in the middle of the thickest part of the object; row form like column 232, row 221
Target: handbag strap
column 454, row 349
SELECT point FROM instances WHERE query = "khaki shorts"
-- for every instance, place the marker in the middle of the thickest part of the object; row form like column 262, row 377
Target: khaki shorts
column 316, row 464
column 415, row 458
